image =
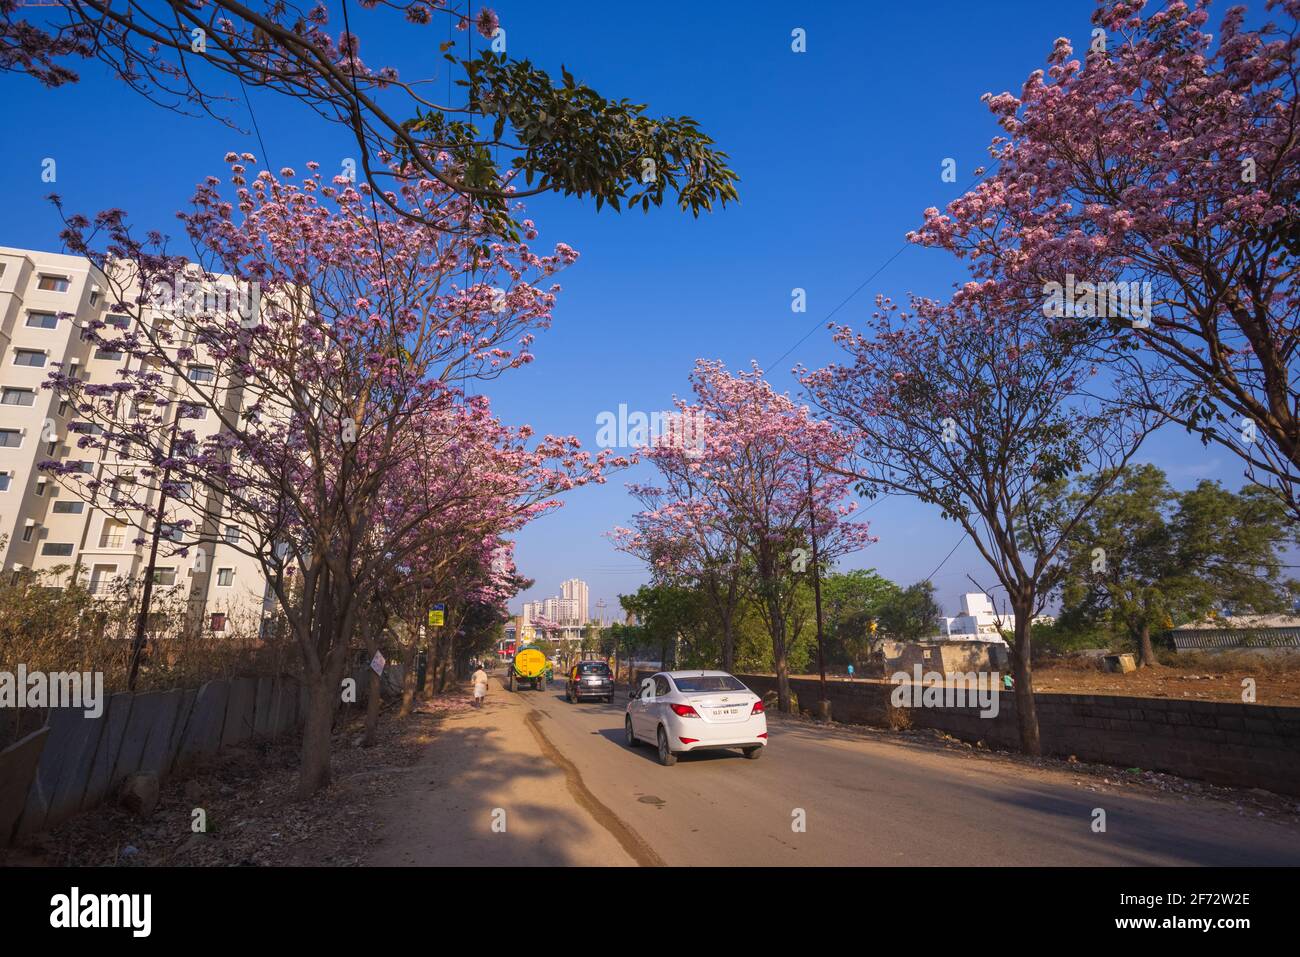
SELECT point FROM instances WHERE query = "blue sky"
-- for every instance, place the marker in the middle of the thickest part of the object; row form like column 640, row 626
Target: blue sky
column 839, row 149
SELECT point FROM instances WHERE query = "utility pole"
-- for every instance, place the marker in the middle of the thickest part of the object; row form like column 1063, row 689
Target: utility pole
column 824, row 706
column 146, row 597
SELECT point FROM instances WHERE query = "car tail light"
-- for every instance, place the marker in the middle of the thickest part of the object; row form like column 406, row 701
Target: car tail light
column 684, row 711
column 758, row 707
column 688, row 740
column 763, row 735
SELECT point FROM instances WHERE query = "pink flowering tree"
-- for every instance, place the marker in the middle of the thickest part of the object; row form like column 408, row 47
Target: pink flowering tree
column 684, row 532
column 735, row 488
column 287, row 381
column 1166, row 156
column 554, row 136
column 983, row 407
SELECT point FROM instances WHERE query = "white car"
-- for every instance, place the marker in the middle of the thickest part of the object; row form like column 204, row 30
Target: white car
column 681, row 711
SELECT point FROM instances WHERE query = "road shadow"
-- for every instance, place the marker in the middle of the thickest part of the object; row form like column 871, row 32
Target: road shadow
column 465, row 784
column 616, row 737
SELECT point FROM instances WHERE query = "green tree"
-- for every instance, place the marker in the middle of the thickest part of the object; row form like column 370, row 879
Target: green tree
column 674, row 621
column 852, row 600
column 1146, row 557
column 910, row 613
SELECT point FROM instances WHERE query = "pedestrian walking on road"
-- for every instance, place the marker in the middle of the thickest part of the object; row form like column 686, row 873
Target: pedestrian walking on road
column 480, row 680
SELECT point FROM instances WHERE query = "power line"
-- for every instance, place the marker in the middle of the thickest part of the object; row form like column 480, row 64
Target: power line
column 930, row 577
column 862, row 285
column 266, row 156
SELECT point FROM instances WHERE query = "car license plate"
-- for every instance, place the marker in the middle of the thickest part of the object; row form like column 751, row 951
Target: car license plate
column 725, row 712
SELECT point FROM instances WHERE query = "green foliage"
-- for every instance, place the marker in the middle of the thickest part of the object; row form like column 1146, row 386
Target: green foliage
column 677, row 616
column 567, row 138
column 850, row 602
column 910, row 613
column 1146, row 558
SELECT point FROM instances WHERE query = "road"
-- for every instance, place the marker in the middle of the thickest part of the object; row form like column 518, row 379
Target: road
column 581, row 796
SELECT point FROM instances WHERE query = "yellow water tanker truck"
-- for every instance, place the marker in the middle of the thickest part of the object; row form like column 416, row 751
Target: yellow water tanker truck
column 527, row 669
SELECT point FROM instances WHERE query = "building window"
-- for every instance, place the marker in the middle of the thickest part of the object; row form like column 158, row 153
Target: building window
column 225, row 577
column 28, row 532
column 69, row 508
column 107, row 354
column 232, row 534
column 53, row 283
column 171, row 532
column 121, row 322
column 218, row 621
column 62, row 549
column 10, row 438
column 94, row 296
column 164, row 576
column 190, row 411
column 29, row 357
column 42, row 320
column 11, row 396
column 202, row 374
column 5, row 479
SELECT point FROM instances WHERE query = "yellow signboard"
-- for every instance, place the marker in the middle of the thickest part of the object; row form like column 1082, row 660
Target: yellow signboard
column 436, row 616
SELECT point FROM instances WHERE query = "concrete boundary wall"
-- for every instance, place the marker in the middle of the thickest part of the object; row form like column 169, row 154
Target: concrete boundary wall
column 1237, row 745
column 73, row 762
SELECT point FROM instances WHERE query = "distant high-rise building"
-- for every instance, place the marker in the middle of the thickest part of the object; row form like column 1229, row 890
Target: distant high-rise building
column 576, row 589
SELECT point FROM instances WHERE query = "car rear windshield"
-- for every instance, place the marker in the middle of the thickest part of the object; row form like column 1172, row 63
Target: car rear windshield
column 699, row 683
column 593, row 668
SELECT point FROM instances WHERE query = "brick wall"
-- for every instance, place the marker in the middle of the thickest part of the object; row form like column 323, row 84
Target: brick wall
column 1240, row 745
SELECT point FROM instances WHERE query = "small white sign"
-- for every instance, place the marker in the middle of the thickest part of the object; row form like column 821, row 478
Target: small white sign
column 377, row 663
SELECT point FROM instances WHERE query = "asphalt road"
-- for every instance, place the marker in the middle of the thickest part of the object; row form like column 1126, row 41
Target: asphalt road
column 882, row 801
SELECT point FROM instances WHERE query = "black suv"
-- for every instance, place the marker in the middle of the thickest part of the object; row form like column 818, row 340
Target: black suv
column 589, row 679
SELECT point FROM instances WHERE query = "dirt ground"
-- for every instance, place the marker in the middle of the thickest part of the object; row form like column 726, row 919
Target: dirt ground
column 1206, row 680
column 1195, row 676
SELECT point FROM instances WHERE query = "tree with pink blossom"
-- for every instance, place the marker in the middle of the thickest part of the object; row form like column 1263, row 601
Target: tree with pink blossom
column 735, row 489
column 301, row 380
column 1166, row 156
column 983, row 407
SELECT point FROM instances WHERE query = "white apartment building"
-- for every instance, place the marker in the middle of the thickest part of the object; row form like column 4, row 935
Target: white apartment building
column 569, row 611
column 575, row 589
column 979, row 621
column 45, row 300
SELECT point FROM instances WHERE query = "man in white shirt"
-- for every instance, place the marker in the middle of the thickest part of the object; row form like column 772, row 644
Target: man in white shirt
column 480, row 682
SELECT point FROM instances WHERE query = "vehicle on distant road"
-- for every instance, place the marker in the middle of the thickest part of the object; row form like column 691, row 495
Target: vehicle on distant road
column 528, row 667
column 589, row 679
column 680, row 711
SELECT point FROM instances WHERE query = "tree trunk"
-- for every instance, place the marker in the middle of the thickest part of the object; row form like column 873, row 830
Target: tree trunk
column 1022, row 669
column 322, row 703
column 408, row 680
column 1146, row 653
column 779, row 662
column 728, row 645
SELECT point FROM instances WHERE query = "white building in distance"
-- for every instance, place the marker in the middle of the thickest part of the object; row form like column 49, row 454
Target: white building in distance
column 978, row 620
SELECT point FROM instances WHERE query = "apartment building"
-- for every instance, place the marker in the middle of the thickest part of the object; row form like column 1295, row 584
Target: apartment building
column 575, row 590
column 46, row 299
